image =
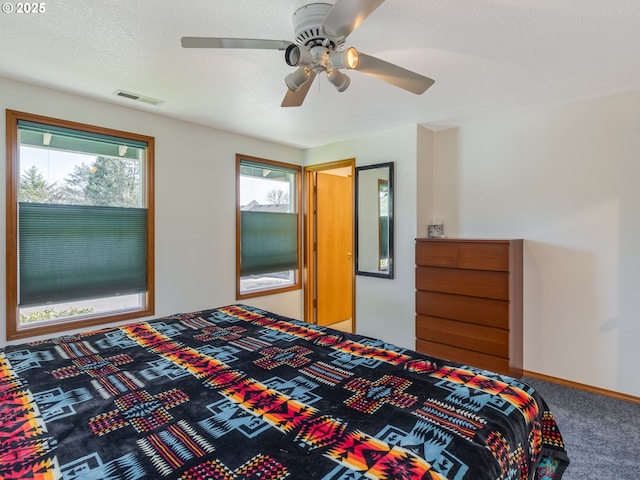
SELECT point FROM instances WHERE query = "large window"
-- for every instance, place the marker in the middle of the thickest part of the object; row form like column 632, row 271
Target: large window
column 79, row 225
column 268, row 226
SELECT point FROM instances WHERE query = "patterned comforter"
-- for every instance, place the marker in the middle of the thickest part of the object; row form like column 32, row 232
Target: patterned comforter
column 240, row 393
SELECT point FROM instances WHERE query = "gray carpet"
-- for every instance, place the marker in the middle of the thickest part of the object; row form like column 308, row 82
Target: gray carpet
column 602, row 435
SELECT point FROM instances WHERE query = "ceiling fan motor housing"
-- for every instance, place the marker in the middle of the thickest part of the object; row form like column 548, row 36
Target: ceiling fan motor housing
column 307, row 24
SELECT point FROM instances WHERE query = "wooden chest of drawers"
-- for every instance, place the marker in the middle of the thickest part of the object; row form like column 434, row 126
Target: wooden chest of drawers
column 469, row 302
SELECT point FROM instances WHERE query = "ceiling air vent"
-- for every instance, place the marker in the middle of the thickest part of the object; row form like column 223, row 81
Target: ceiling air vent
column 138, row 98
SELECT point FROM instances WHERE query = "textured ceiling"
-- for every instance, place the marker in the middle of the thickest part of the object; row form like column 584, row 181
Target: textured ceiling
column 488, row 57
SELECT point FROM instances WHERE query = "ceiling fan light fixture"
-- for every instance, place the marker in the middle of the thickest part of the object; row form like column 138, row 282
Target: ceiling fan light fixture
column 347, row 59
column 295, row 56
column 296, row 80
column 339, row 79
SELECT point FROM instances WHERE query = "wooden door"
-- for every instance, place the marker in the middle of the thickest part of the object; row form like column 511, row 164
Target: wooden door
column 334, row 248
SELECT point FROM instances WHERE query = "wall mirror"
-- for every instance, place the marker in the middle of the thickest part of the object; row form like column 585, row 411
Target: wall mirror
column 374, row 220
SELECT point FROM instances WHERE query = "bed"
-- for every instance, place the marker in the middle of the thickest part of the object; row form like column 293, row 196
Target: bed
column 240, row 393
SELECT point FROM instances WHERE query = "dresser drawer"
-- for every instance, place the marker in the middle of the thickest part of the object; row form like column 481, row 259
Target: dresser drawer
column 476, row 283
column 484, row 256
column 469, row 336
column 437, row 254
column 455, row 254
column 492, row 313
column 467, row 357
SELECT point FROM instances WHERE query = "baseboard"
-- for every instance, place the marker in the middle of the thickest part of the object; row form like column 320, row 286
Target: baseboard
column 582, row 386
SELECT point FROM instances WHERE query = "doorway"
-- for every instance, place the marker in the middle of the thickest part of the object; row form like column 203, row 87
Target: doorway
column 329, row 248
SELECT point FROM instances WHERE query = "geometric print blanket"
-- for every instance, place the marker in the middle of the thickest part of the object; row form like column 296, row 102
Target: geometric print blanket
column 240, row 393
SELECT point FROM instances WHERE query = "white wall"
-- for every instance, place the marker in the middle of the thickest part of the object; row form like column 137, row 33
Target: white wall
column 566, row 179
column 386, row 308
column 426, row 182
column 195, row 198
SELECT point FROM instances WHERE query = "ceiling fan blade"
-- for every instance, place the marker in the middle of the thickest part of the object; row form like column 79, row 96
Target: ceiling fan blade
column 295, row 99
column 346, row 15
column 393, row 74
column 209, row 42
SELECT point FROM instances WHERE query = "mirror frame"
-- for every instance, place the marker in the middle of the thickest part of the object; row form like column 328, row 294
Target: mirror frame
column 389, row 273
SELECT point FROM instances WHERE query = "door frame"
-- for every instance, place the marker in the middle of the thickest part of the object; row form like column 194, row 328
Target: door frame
column 310, row 267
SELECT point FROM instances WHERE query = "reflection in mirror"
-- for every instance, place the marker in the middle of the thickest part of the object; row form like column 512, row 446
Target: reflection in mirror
column 383, row 225
column 374, row 220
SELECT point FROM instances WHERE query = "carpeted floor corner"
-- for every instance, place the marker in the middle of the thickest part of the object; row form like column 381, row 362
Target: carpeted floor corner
column 602, row 435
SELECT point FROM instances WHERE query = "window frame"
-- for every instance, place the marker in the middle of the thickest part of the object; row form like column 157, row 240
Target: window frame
column 13, row 329
column 297, row 285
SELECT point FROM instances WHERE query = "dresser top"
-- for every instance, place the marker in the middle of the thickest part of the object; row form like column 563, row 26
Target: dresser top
column 467, row 240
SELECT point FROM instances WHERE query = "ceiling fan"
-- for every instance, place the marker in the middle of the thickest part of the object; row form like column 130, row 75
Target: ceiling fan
column 320, row 32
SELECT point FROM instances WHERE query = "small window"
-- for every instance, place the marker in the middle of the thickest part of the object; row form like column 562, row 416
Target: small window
column 268, row 226
column 79, row 226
